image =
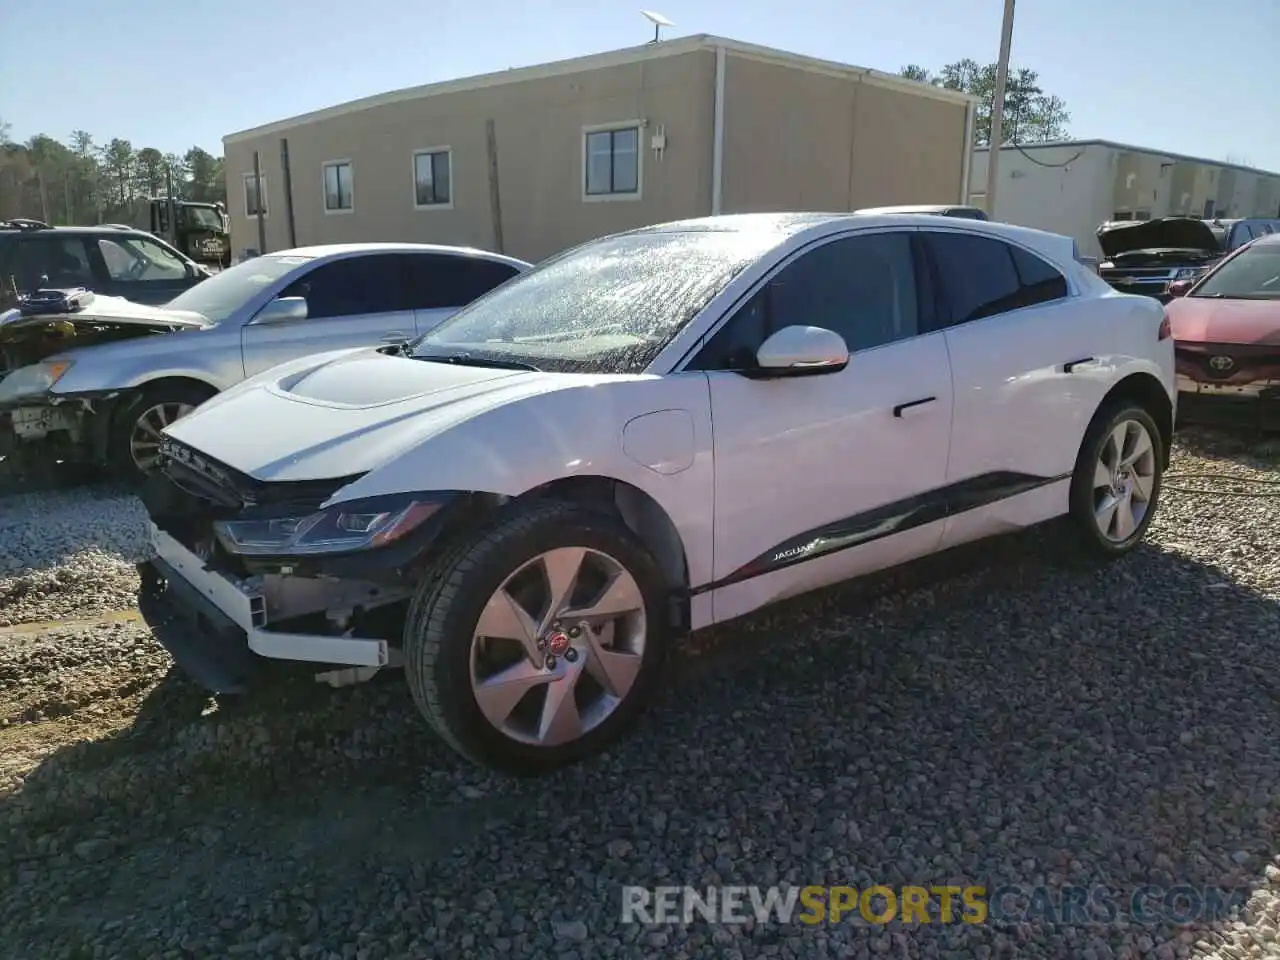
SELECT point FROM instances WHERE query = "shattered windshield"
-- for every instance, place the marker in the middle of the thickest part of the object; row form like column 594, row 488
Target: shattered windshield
column 606, row 307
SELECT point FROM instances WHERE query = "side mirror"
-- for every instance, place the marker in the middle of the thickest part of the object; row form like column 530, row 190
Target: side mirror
column 282, row 310
column 802, row 351
column 1179, row 288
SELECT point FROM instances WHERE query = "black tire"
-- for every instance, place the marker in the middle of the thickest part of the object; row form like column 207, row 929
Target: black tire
column 1082, row 512
column 442, row 617
column 120, row 459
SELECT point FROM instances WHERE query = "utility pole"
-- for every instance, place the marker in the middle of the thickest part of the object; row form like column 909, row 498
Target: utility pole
column 997, row 108
column 44, row 195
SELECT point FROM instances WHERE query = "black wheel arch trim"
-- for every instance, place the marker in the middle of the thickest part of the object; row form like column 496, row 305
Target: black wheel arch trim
column 885, row 521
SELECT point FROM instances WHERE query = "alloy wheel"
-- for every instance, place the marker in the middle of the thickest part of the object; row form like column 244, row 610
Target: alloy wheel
column 1124, row 481
column 145, row 438
column 558, row 646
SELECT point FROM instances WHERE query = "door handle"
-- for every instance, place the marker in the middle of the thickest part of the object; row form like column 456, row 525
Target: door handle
column 396, row 336
column 900, row 408
column 1068, row 367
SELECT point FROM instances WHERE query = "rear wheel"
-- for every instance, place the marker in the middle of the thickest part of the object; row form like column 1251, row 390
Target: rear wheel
column 1117, row 479
column 539, row 643
column 133, row 446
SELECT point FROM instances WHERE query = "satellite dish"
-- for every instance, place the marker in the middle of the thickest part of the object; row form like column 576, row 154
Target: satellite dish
column 658, row 21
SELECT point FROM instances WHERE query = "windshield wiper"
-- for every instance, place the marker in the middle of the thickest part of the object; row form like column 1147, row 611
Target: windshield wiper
column 471, row 360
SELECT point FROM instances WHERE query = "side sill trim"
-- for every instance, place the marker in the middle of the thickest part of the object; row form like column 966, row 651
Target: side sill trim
column 892, row 518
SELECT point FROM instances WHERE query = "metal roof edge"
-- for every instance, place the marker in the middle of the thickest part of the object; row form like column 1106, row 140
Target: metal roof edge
column 639, row 54
column 1116, row 145
column 836, row 68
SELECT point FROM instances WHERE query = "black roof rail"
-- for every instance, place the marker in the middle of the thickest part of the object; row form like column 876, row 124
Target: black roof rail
column 23, row 223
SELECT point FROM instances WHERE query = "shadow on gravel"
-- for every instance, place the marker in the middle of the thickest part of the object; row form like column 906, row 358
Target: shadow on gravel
column 1251, row 447
column 1028, row 722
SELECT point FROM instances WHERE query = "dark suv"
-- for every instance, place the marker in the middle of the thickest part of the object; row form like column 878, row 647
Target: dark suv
column 111, row 261
column 1145, row 256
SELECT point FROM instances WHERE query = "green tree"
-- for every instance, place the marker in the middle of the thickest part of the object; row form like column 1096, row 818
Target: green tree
column 149, row 164
column 1030, row 114
column 204, row 172
column 80, row 182
column 118, row 165
column 87, row 178
column 176, row 169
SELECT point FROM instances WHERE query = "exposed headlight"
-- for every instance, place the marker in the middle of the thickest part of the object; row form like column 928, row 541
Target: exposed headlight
column 342, row 528
column 33, row 380
column 1188, row 273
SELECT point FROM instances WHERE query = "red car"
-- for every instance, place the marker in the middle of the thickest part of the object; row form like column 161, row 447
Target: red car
column 1226, row 330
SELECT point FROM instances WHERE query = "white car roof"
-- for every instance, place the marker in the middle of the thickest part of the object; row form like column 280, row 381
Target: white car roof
column 798, row 228
column 341, row 249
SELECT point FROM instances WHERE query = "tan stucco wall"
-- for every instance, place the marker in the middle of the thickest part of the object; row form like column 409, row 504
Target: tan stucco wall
column 800, row 140
column 538, row 126
column 796, row 139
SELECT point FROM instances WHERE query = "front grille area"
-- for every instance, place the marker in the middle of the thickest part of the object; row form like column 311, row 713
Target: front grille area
column 1248, row 362
column 228, row 489
column 1141, row 273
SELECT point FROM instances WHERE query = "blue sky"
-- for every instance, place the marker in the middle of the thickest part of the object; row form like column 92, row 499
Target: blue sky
column 1187, row 76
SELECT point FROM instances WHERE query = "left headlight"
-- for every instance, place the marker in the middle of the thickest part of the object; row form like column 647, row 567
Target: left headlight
column 1188, row 273
column 342, row 528
column 33, row 380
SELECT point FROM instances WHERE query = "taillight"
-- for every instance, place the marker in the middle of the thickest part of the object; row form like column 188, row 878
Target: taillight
column 1166, row 329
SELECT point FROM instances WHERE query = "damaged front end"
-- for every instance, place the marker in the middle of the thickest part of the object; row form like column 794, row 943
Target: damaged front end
column 39, row 344
column 253, row 570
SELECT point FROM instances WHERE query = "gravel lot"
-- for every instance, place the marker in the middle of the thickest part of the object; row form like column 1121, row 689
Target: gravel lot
column 1001, row 715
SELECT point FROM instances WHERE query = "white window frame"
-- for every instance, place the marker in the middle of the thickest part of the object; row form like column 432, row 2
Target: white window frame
column 324, row 191
column 413, row 172
column 639, row 126
column 263, row 200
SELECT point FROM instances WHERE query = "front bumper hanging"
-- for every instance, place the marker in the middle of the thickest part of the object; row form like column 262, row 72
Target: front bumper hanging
column 222, row 634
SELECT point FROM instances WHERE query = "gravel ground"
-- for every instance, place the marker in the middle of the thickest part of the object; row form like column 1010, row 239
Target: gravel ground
column 1003, row 715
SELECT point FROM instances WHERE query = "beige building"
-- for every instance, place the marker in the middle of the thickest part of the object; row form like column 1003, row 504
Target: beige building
column 533, row 160
column 1073, row 186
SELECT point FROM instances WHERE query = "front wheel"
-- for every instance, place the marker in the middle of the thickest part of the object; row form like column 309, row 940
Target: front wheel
column 539, row 643
column 133, row 446
column 1117, row 480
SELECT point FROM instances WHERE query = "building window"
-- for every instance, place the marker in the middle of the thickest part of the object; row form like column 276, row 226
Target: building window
column 433, row 179
column 611, row 162
column 339, row 184
column 254, row 193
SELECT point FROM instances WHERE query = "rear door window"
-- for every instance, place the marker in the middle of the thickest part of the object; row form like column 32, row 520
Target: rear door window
column 985, row 276
column 437, row 281
column 62, row 260
column 351, row 287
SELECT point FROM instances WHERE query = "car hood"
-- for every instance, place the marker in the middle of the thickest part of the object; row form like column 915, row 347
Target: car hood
column 1169, row 233
column 1205, row 320
column 113, row 310
column 338, row 414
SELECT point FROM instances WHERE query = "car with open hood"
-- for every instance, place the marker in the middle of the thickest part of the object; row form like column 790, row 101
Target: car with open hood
column 651, row 433
column 1226, row 330
column 1145, row 256
column 91, row 380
